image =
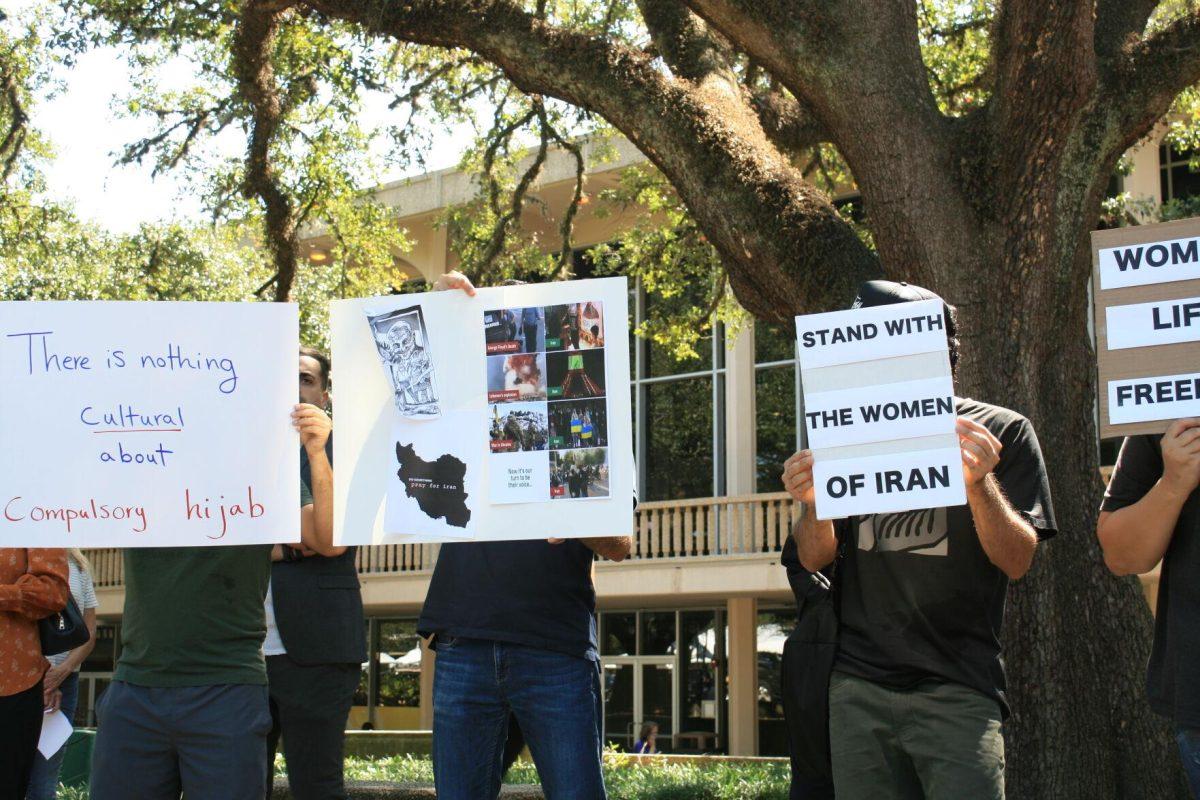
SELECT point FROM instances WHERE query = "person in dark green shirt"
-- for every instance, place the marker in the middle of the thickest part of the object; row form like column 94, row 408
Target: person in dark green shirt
column 187, row 709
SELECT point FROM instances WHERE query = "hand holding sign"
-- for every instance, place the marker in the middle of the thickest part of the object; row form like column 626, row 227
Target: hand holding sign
column 980, row 450
column 314, row 426
column 798, row 477
column 1181, row 456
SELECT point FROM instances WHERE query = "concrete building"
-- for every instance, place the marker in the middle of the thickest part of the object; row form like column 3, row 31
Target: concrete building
column 692, row 626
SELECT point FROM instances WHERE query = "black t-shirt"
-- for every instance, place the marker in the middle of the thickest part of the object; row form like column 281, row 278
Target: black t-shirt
column 918, row 597
column 1175, row 657
column 530, row 593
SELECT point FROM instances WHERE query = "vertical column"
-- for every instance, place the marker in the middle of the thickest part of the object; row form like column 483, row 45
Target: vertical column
column 740, row 415
column 743, row 676
column 428, row 662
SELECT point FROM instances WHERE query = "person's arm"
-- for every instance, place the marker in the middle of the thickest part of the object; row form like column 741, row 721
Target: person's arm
column 614, row 548
column 316, row 519
column 75, row 658
column 1007, row 538
column 1136, row 537
column 43, row 589
column 816, row 541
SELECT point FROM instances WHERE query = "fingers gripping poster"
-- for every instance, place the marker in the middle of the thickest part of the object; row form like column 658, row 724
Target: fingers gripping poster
column 526, row 440
column 148, row 424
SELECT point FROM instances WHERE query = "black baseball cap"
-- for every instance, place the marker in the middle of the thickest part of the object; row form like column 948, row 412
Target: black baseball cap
column 884, row 293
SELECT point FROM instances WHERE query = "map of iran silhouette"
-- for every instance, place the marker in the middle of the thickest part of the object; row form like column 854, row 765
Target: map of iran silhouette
column 437, row 486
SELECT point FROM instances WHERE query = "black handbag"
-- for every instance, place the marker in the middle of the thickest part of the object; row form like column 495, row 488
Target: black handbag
column 63, row 631
column 808, row 657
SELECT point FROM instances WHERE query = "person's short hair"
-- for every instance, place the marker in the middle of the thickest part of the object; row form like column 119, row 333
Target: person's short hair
column 880, row 293
column 322, row 359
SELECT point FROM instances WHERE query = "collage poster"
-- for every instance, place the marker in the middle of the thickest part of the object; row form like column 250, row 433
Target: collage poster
column 484, row 417
column 548, row 417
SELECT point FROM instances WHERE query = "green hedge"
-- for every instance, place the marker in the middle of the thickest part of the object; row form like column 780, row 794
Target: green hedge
column 625, row 781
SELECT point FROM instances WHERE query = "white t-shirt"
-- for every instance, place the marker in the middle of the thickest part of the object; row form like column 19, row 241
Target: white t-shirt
column 273, row 643
column 84, row 592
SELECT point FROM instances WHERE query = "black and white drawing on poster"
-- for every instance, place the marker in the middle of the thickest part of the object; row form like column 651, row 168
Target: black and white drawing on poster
column 579, row 474
column 403, row 343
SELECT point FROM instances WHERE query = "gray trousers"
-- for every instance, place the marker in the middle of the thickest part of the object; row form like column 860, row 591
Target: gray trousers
column 208, row 741
column 936, row 741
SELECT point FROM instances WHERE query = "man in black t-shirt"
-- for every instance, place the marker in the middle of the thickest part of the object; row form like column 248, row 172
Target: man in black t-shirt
column 514, row 628
column 1151, row 513
column 916, row 698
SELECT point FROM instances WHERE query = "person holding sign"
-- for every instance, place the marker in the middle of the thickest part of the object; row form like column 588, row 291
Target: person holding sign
column 1151, row 513
column 33, row 585
column 916, row 697
column 187, row 709
column 513, row 624
column 316, row 639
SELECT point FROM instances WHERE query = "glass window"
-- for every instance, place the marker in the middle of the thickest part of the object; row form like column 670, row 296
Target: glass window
column 658, row 633
column 398, row 662
column 775, row 432
column 698, row 711
column 679, row 439
column 618, row 634
column 773, row 343
column 1177, row 178
column 618, row 705
column 773, row 629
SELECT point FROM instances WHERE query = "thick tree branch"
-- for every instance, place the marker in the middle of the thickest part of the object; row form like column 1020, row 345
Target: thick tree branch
column 784, row 243
column 1046, row 74
column 18, row 120
column 786, row 122
column 1150, row 73
column 684, row 41
column 1119, row 21
column 253, row 43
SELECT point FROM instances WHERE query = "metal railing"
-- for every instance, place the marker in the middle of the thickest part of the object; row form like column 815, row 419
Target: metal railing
column 698, row 528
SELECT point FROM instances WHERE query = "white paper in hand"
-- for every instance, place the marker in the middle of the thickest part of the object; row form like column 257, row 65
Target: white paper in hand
column 56, row 729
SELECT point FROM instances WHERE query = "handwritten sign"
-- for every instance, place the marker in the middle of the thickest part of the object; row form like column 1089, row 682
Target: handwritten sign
column 148, row 424
column 1146, row 289
column 879, row 409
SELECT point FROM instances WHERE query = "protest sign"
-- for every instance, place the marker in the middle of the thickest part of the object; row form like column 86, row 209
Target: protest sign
column 148, row 424
column 879, row 409
column 1146, row 290
column 532, row 436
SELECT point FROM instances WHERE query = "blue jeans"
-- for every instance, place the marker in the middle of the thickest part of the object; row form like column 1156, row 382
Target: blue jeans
column 555, row 699
column 43, row 782
column 210, row 742
column 1189, row 751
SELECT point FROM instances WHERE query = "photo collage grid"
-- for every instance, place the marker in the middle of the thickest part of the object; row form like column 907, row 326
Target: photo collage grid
column 548, row 420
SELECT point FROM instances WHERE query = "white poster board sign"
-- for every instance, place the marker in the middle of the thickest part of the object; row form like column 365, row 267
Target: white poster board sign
column 879, row 409
column 148, row 424
column 1146, row 290
column 501, row 416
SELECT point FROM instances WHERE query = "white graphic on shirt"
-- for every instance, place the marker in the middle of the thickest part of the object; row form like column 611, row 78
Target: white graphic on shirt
column 921, row 532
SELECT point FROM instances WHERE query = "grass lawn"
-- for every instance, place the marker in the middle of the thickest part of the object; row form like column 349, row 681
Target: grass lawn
column 624, row 781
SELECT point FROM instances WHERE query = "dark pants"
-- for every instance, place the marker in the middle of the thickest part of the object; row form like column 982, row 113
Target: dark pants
column 531, row 342
column 555, row 698
column 43, row 783
column 936, row 741
column 1189, row 751
column 209, row 742
column 309, row 707
column 20, row 729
